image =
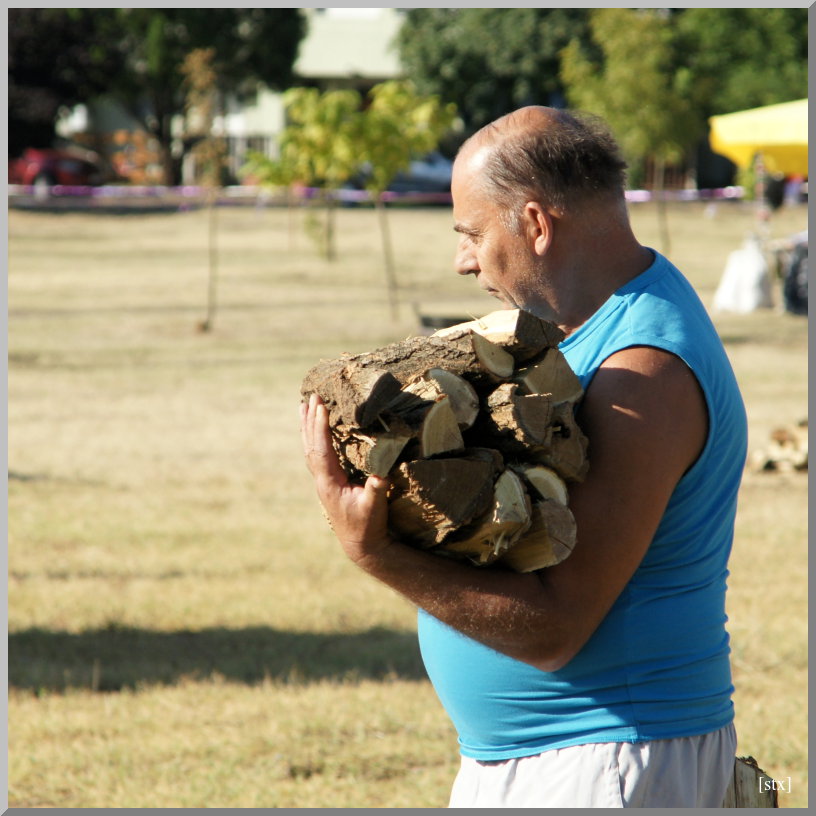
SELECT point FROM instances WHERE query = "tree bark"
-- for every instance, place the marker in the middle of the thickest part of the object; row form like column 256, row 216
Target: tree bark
column 496, row 532
column 388, row 255
column 355, row 393
column 432, row 498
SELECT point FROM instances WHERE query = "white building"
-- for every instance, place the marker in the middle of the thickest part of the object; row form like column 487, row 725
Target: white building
column 342, row 48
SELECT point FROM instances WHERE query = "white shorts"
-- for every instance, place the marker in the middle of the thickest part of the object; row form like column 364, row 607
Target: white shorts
column 692, row 772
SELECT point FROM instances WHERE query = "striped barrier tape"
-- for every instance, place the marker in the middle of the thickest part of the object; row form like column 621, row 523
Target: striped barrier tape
column 352, row 196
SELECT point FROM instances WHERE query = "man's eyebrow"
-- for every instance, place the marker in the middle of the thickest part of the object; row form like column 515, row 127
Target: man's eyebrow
column 465, row 230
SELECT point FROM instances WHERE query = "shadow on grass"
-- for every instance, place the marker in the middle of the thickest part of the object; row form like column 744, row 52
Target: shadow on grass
column 117, row 658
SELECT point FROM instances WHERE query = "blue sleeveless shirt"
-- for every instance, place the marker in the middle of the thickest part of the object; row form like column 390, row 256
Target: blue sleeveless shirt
column 658, row 665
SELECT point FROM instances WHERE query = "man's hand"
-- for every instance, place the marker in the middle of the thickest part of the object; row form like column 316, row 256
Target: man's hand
column 357, row 513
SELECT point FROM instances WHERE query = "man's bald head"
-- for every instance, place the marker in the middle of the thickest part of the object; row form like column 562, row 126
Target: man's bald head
column 551, row 156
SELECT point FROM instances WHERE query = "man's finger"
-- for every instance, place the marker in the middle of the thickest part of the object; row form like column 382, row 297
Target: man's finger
column 303, row 411
column 309, row 425
column 320, row 454
column 377, row 486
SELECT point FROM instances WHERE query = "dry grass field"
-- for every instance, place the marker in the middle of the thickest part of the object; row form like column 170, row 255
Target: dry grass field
column 183, row 631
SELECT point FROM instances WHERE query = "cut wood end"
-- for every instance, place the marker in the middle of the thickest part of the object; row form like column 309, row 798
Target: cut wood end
column 546, row 482
column 548, row 541
column 370, row 453
column 463, row 398
column 440, row 430
column 431, row 498
column 494, row 359
column 514, row 416
column 500, row 321
column 385, row 452
column 523, row 334
column 551, row 375
column 498, row 530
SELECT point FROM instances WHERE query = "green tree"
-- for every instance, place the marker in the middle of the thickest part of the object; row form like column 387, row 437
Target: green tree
column 740, row 58
column 636, row 88
column 251, row 46
column 57, row 58
column 331, row 136
column 209, row 151
column 397, row 125
column 320, row 147
column 488, row 61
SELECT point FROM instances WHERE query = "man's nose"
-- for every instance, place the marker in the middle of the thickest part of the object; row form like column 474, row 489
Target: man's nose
column 463, row 262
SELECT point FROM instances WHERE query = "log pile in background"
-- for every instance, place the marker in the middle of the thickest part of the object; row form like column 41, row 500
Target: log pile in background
column 786, row 451
column 474, row 427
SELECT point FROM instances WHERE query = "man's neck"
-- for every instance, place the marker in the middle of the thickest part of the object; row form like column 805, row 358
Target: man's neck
column 593, row 274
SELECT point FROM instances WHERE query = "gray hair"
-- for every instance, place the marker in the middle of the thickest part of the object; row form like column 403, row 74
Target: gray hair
column 557, row 158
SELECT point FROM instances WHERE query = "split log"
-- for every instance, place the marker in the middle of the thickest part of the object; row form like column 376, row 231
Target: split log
column 567, row 452
column 468, row 354
column 435, row 428
column 544, row 481
column 519, row 332
column 437, row 382
column 787, row 450
column 364, row 454
column 431, row 498
column 751, row 787
column 549, row 540
column 430, row 427
column 551, row 374
column 492, row 535
column 357, row 388
column 515, row 422
column 354, row 394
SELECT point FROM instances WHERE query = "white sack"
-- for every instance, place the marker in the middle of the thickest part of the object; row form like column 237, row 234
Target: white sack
column 745, row 284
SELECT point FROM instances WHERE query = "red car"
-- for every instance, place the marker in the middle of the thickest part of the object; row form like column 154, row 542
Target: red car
column 55, row 166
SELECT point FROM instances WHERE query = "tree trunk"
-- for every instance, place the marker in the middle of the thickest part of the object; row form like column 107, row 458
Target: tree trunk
column 162, row 130
column 328, row 236
column 292, row 201
column 212, row 257
column 662, row 214
column 208, row 323
column 388, row 255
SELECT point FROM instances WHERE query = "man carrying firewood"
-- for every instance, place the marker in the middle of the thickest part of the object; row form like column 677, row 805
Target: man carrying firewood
column 602, row 681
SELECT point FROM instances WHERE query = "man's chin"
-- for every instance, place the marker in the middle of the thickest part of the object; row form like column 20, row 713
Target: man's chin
column 498, row 296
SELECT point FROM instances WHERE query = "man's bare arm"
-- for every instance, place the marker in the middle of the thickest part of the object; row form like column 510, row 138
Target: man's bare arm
column 646, row 421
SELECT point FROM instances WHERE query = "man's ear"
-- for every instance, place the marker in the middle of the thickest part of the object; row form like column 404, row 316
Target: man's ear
column 538, row 224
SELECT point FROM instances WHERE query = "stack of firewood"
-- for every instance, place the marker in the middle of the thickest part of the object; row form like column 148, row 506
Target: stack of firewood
column 787, row 449
column 474, row 428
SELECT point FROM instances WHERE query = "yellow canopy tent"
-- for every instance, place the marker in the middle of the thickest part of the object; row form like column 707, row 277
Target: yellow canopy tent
column 778, row 132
